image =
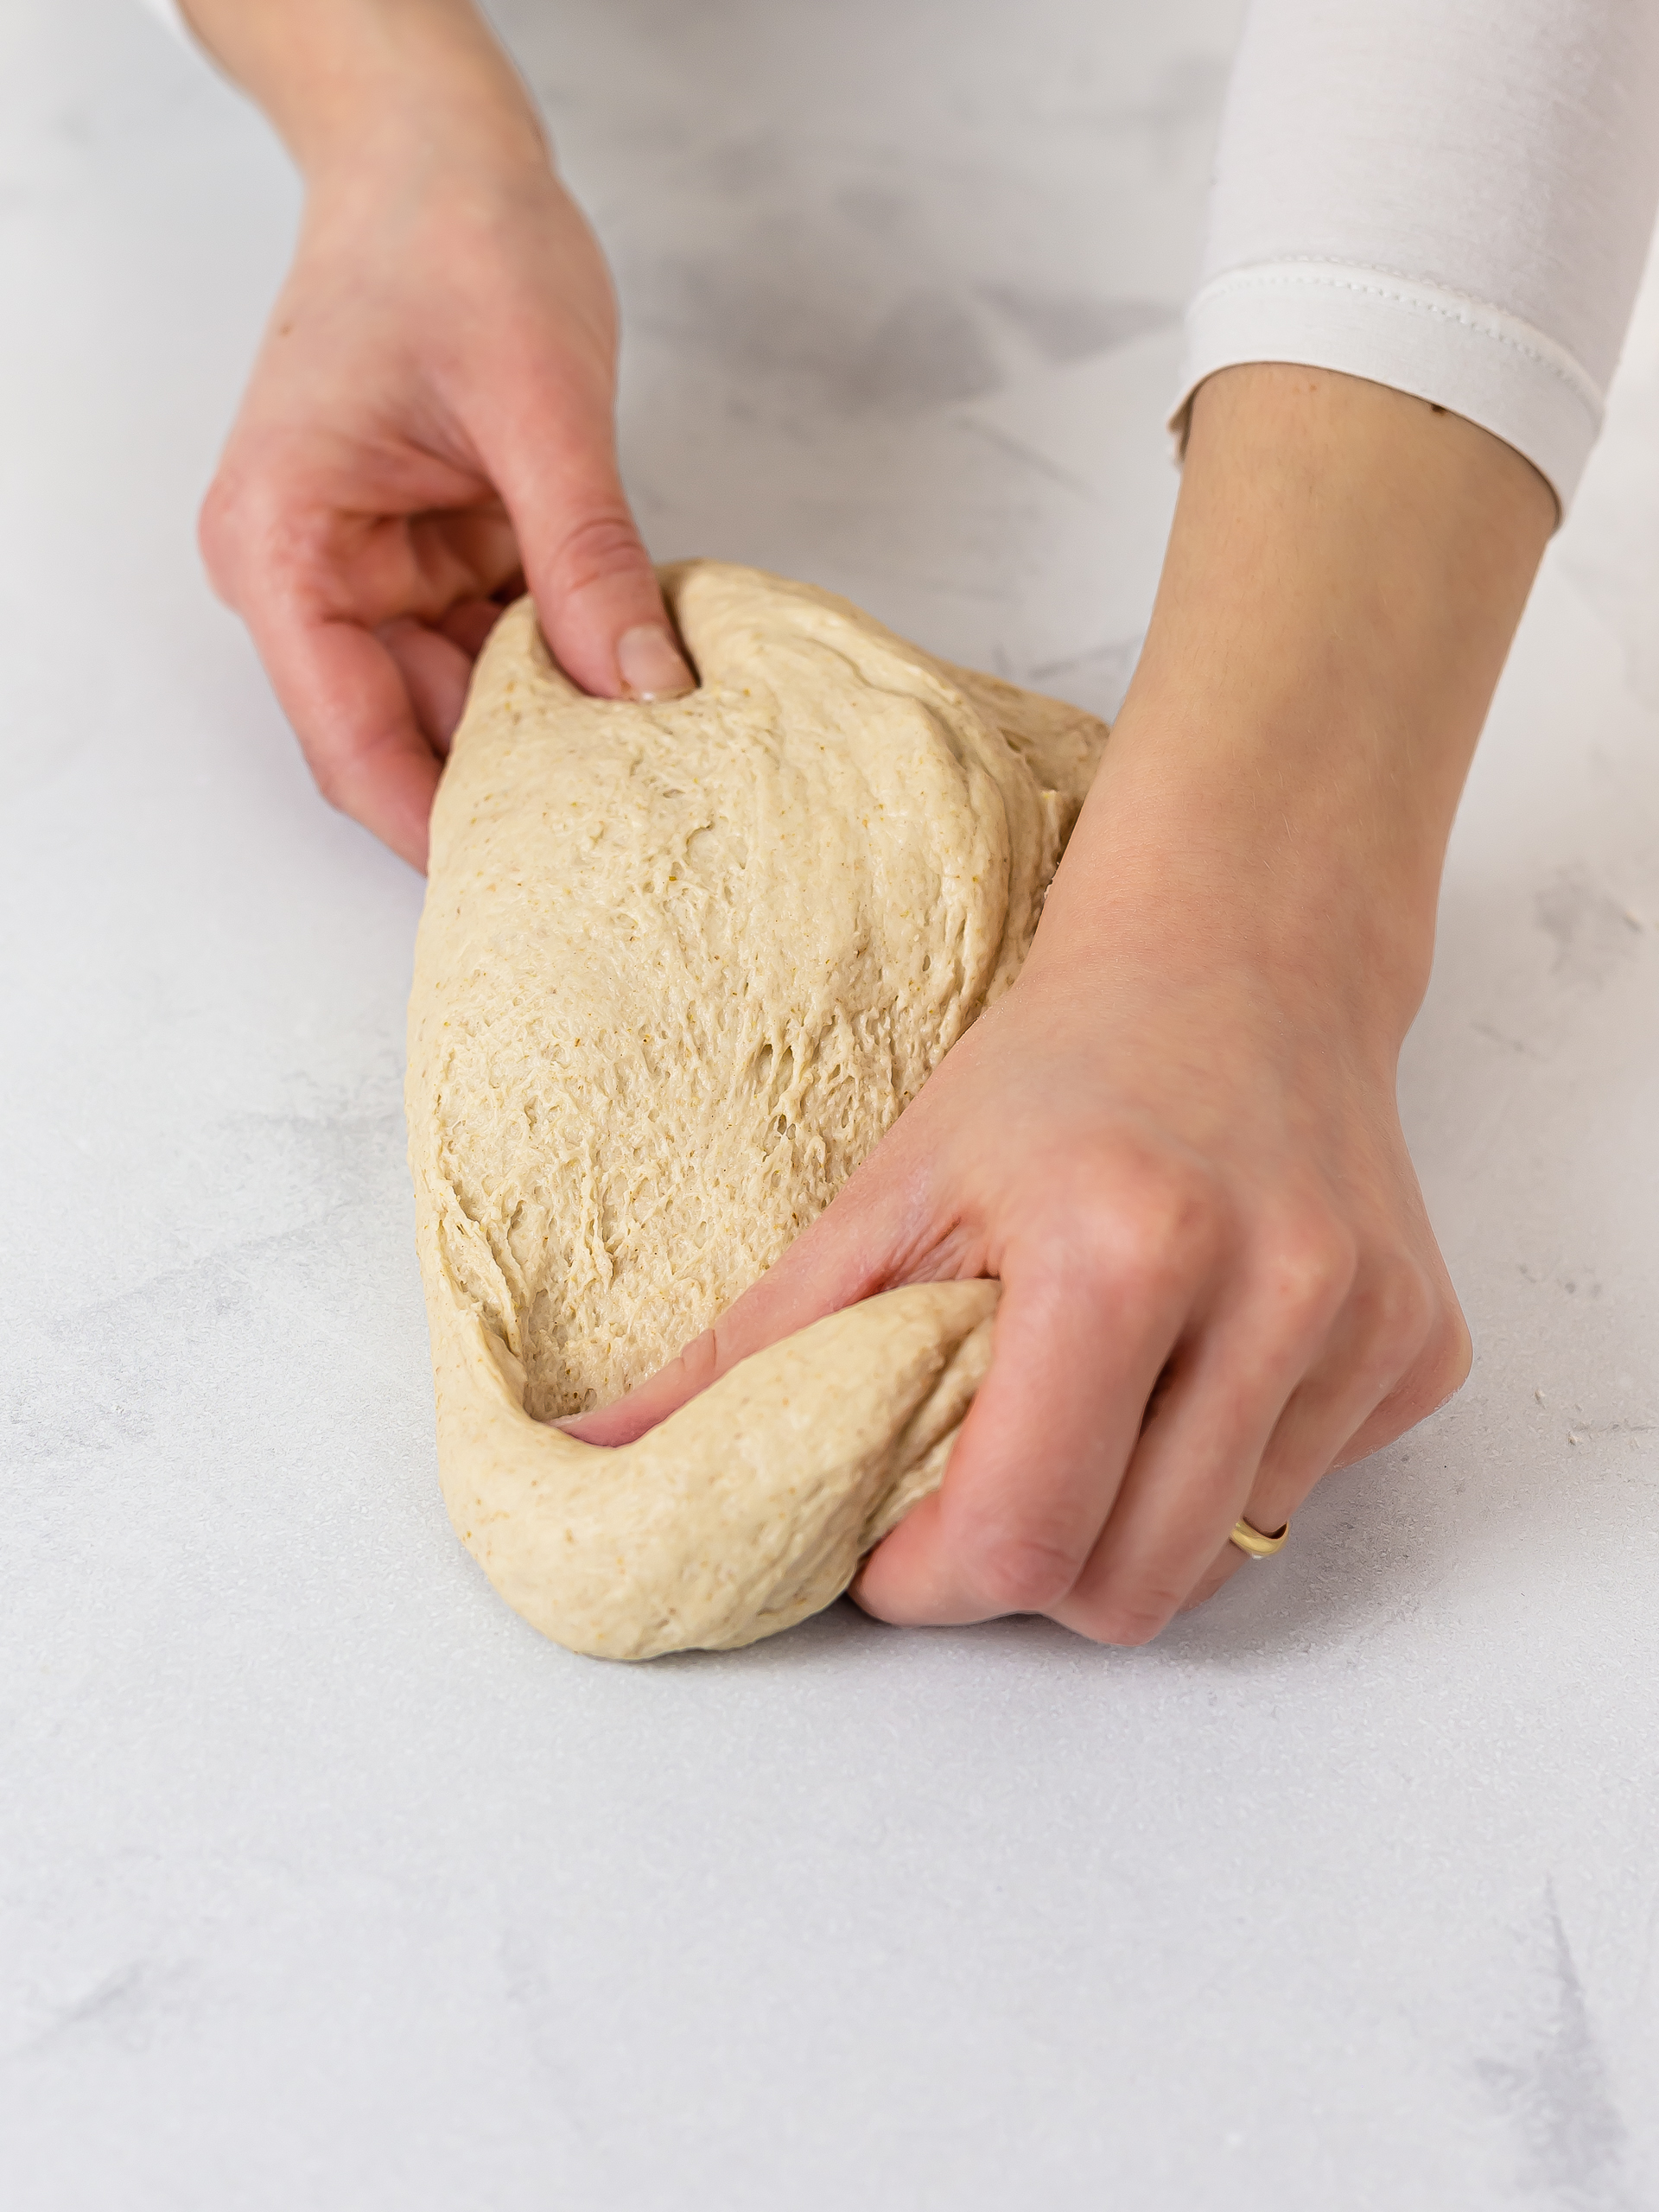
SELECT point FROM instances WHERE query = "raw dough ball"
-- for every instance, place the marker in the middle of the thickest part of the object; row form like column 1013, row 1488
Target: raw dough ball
column 679, row 969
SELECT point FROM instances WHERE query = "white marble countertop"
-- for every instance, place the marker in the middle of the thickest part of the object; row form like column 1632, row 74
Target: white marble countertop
column 323, row 1881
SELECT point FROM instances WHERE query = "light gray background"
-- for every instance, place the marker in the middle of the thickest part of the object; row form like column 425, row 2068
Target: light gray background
column 325, row 1882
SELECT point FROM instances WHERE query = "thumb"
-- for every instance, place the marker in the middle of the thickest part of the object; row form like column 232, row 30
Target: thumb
column 596, row 593
column 835, row 1263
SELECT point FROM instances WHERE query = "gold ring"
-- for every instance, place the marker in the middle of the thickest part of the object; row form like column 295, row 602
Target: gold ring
column 1255, row 1543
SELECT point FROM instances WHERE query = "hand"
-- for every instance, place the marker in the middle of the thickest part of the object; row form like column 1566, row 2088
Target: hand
column 1175, row 1141
column 1184, row 1165
column 428, row 423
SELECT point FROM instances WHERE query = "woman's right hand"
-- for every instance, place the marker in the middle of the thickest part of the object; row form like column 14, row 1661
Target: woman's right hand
column 429, row 419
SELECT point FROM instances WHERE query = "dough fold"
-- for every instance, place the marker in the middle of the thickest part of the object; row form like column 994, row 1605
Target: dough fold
column 680, row 967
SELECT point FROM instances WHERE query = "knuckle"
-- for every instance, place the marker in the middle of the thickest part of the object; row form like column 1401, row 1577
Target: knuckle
column 333, row 780
column 1134, row 1228
column 219, row 531
column 597, row 550
column 1436, row 1374
column 1314, row 1263
column 1402, row 1315
column 1451, row 1358
column 1025, row 1575
column 251, row 525
column 1169, row 1216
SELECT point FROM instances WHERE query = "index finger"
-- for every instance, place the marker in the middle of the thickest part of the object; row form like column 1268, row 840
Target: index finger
column 839, row 1260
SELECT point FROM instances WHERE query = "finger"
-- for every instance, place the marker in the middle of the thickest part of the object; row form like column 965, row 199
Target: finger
column 1438, row 1372
column 1391, row 1320
column 842, row 1258
column 1321, row 1415
column 600, row 607
column 1400, row 1351
column 273, row 534
column 1220, row 1572
column 435, row 672
column 1198, row 1458
column 346, row 699
column 1087, row 1321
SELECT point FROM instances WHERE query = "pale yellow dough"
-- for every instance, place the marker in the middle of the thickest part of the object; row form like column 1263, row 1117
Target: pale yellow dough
column 680, row 967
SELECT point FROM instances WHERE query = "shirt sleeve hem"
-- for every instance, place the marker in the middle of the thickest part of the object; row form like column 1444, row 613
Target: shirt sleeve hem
column 1461, row 353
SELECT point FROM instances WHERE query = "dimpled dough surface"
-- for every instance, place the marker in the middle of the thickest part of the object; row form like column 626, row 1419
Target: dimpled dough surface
column 680, row 967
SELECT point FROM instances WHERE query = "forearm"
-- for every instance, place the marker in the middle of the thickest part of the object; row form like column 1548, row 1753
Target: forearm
column 342, row 79
column 1345, row 576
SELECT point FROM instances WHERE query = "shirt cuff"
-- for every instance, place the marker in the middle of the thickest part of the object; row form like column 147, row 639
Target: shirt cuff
column 1445, row 346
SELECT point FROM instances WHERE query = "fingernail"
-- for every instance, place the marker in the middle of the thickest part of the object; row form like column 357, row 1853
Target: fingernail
column 651, row 665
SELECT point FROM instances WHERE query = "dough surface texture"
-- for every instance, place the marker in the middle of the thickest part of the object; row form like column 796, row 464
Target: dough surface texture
column 680, row 967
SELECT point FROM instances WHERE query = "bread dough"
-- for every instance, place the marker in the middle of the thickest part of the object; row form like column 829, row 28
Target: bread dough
column 680, row 967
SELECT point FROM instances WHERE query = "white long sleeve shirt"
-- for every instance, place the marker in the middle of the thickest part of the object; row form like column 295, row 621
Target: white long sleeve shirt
column 1454, row 197
column 1451, row 197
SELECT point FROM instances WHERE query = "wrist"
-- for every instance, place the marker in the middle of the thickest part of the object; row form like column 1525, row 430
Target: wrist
column 354, row 87
column 1215, row 878
column 1345, row 574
